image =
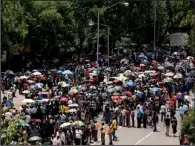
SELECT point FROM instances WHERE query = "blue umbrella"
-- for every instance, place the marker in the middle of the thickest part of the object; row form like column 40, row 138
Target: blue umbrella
column 131, row 84
column 154, row 89
column 59, row 71
column 67, row 72
column 9, row 72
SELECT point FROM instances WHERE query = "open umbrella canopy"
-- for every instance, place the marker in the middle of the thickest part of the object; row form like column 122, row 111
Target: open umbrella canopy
column 26, row 92
column 169, row 74
column 36, row 73
column 115, row 97
column 73, row 105
column 131, row 84
column 168, row 80
column 73, row 91
column 65, row 125
column 64, row 99
column 9, row 72
column 178, row 76
column 79, row 123
column 67, row 72
column 154, row 89
column 25, row 101
column 128, row 93
column 34, row 138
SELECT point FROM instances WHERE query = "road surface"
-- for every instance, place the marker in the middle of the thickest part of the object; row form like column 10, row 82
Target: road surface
column 131, row 136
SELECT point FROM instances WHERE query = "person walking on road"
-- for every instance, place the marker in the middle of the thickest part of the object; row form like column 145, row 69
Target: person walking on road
column 174, row 125
column 167, row 124
column 110, row 131
column 114, row 124
column 103, row 131
column 163, row 112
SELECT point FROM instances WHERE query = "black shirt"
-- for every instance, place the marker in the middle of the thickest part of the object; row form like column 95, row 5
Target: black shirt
column 167, row 121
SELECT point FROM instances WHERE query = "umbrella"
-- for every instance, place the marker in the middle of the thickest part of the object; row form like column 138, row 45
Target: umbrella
column 25, row 101
column 161, row 68
column 84, row 88
column 167, row 80
column 131, row 84
column 154, row 62
column 63, row 84
column 23, row 77
column 93, row 74
column 36, row 73
column 142, row 65
column 67, row 72
column 31, row 81
column 116, row 81
column 34, row 138
column 128, row 93
column 35, row 70
column 25, row 92
column 167, row 64
column 44, row 100
column 65, row 125
column 141, row 75
column 79, row 123
column 154, row 89
column 115, row 97
column 73, row 91
column 64, row 99
column 189, row 58
column 9, row 72
column 36, row 120
column 53, row 70
column 178, row 76
column 72, row 110
column 73, row 105
column 110, row 90
column 27, row 72
column 59, row 71
column 123, row 97
column 169, row 74
column 118, row 88
column 144, row 62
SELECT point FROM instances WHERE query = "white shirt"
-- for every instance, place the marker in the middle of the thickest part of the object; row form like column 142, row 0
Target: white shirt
column 56, row 141
column 163, row 108
column 185, row 107
column 62, row 136
column 8, row 116
column 78, row 133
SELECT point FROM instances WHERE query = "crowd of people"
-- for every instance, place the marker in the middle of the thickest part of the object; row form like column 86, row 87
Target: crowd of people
column 62, row 105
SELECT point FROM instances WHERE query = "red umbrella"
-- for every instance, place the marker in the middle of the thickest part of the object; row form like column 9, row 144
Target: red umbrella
column 36, row 120
column 115, row 97
column 64, row 99
column 116, row 81
column 128, row 93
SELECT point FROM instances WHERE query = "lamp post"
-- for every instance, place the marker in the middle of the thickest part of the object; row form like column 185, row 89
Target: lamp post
column 98, row 27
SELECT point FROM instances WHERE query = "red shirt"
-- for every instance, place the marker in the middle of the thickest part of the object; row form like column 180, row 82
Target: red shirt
column 174, row 98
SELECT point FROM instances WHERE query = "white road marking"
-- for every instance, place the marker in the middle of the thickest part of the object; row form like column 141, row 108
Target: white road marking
column 145, row 137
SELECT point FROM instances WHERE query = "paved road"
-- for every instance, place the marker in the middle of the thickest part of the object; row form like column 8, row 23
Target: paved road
column 141, row 136
column 132, row 136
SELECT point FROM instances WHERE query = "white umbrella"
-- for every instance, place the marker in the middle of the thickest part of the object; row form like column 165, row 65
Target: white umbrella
column 44, row 100
column 178, row 76
column 26, row 92
column 109, row 82
column 167, row 80
column 36, row 73
column 73, row 105
column 111, row 90
column 25, row 101
column 65, row 125
column 189, row 57
column 141, row 75
column 31, row 81
column 169, row 74
column 72, row 110
column 123, row 97
column 118, row 88
column 34, row 138
column 23, row 77
column 93, row 74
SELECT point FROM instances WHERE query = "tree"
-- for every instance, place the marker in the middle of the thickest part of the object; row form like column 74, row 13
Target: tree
column 188, row 126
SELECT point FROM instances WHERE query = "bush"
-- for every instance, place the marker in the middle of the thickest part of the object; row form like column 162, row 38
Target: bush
column 188, row 126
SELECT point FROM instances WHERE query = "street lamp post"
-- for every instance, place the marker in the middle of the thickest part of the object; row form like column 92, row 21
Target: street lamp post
column 98, row 26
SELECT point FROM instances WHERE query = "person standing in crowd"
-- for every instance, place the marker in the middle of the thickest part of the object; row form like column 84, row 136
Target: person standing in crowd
column 139, row 117
column 114, row 124
column 163, row 111
column 110, row 132
column 103, row 131
column 181, row 112
column 96, row 131
column 167, row 124
column 174, row 125
column 78, row 136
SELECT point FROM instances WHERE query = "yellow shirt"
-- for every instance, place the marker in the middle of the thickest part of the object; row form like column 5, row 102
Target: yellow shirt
column 114, row 123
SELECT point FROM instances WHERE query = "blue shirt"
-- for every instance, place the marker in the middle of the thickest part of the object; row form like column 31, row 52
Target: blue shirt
column 181, row 110
column 139, row 113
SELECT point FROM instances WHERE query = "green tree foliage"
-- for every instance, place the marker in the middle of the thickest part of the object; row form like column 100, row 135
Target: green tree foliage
column 188, row 127
column 50, row 27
